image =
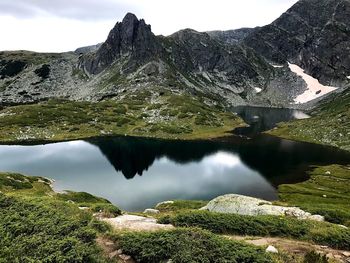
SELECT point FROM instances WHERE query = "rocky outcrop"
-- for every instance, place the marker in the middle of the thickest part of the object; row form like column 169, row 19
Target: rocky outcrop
column 87, row 49
column 315, row 34
column 231, row 36
column 244, row 205
column 132, row 38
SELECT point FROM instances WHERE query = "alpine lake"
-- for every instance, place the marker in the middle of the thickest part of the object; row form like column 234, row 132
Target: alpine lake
column 137, row 173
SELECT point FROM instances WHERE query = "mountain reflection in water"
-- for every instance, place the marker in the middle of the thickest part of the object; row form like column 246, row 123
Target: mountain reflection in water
column 111, row 167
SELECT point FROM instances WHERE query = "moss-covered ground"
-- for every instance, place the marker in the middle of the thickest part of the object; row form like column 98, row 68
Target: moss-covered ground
column 39, row 225
column 329, row 124
column 327, row 192
column 145, row 114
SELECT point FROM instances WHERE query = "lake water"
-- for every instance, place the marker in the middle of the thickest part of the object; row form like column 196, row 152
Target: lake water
column 137, row 173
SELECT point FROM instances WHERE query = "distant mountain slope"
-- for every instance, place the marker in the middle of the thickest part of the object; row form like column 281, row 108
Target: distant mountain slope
column 236, row 67
column 231, row 36
column 315, row 34
column 330, row 123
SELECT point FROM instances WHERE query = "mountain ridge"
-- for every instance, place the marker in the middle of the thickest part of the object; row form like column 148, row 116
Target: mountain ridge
column 235, row 67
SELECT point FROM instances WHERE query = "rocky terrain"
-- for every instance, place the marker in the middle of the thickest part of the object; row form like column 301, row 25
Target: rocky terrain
column 236, row 67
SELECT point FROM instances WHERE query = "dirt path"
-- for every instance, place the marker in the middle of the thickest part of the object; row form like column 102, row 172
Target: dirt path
column 140, row 223
column 136, row 223
column 295, row 247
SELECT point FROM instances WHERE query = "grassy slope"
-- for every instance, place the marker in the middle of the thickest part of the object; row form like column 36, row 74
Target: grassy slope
column 38, row 224
column 188, row 245
column 330, row 124
column 142, row 114
column 324, row 193
column 322, row 233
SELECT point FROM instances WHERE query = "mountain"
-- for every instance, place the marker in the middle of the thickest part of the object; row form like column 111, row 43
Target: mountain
column 236, row 67
column 231, row 36
column 315, row 34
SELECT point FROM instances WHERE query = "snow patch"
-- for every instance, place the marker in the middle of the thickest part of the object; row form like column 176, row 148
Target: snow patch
column 299, row 115
column 258, row 90
column 277, row 66
column 314, row 88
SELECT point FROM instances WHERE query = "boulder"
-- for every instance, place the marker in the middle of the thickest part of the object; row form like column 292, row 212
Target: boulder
column 151, row 211
column 245, row 205
column 271, row 249
column 164, row 203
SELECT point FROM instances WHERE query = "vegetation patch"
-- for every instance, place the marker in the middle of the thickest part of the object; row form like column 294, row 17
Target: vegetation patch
column 326, row 193
column 39, row 225
column 11, row 68
column 188, row 245
column 319, row 232
column 330, row 124
column 43, row 72
column 145, row 114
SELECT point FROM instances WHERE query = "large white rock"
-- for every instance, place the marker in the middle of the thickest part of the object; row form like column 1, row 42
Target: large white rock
column 135, row 223
column 151, row 211
column 164, row 203
column 271, row 249
column 245, row 205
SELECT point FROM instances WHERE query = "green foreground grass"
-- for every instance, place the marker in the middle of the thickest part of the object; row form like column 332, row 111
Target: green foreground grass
column 329, row 124
column 39, row 225
column 157, row 114
column 327, row 193
column 188, row 245
column 322, row 233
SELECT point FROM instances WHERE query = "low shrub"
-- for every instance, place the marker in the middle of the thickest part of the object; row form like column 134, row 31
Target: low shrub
column 319, row 232
column 188, row 245
column 33, row 232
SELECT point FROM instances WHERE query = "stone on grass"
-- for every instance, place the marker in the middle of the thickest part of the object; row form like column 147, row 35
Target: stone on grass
column 245, row 205
column 151, row 211
column 271, row 249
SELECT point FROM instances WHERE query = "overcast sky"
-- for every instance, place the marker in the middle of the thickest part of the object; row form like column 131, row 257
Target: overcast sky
column 63, row 25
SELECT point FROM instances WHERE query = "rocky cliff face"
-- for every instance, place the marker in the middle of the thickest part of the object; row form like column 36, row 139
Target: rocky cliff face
column 132, row 39
column 315, row 34
column 231, row 36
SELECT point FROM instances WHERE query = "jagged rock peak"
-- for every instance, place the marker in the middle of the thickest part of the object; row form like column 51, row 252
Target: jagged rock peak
column 131, row 38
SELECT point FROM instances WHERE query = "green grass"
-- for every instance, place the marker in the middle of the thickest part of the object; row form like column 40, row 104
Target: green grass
column 319, row 232
column 324, row 194
column 188, row 245
column 39, row 225
column 39, row 189
column 169, row 117
column 329, row 125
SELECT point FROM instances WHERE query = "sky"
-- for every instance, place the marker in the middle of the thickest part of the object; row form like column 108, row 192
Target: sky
column 64, row 25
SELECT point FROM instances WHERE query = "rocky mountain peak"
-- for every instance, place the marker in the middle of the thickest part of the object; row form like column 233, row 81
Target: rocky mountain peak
column 131, row 38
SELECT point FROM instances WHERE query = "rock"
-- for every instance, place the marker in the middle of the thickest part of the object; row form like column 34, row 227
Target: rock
column 271, row 249
column 135, row 223
column 325, row 196
column 151, row 211
column 164, row 203
column 131, row 37
column 244, row 205
column 328, row 173
column 346, row 254
column 316, row 218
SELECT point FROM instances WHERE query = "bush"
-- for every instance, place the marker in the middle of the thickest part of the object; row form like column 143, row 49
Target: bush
column 188, row 245
column 32, row 232
column 314, row 257
column 319, row 232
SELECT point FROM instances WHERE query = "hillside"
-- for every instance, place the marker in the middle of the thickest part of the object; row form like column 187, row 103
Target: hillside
column 329, row 124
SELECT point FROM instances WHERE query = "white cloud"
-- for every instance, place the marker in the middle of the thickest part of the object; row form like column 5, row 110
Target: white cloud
column 64, row 25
